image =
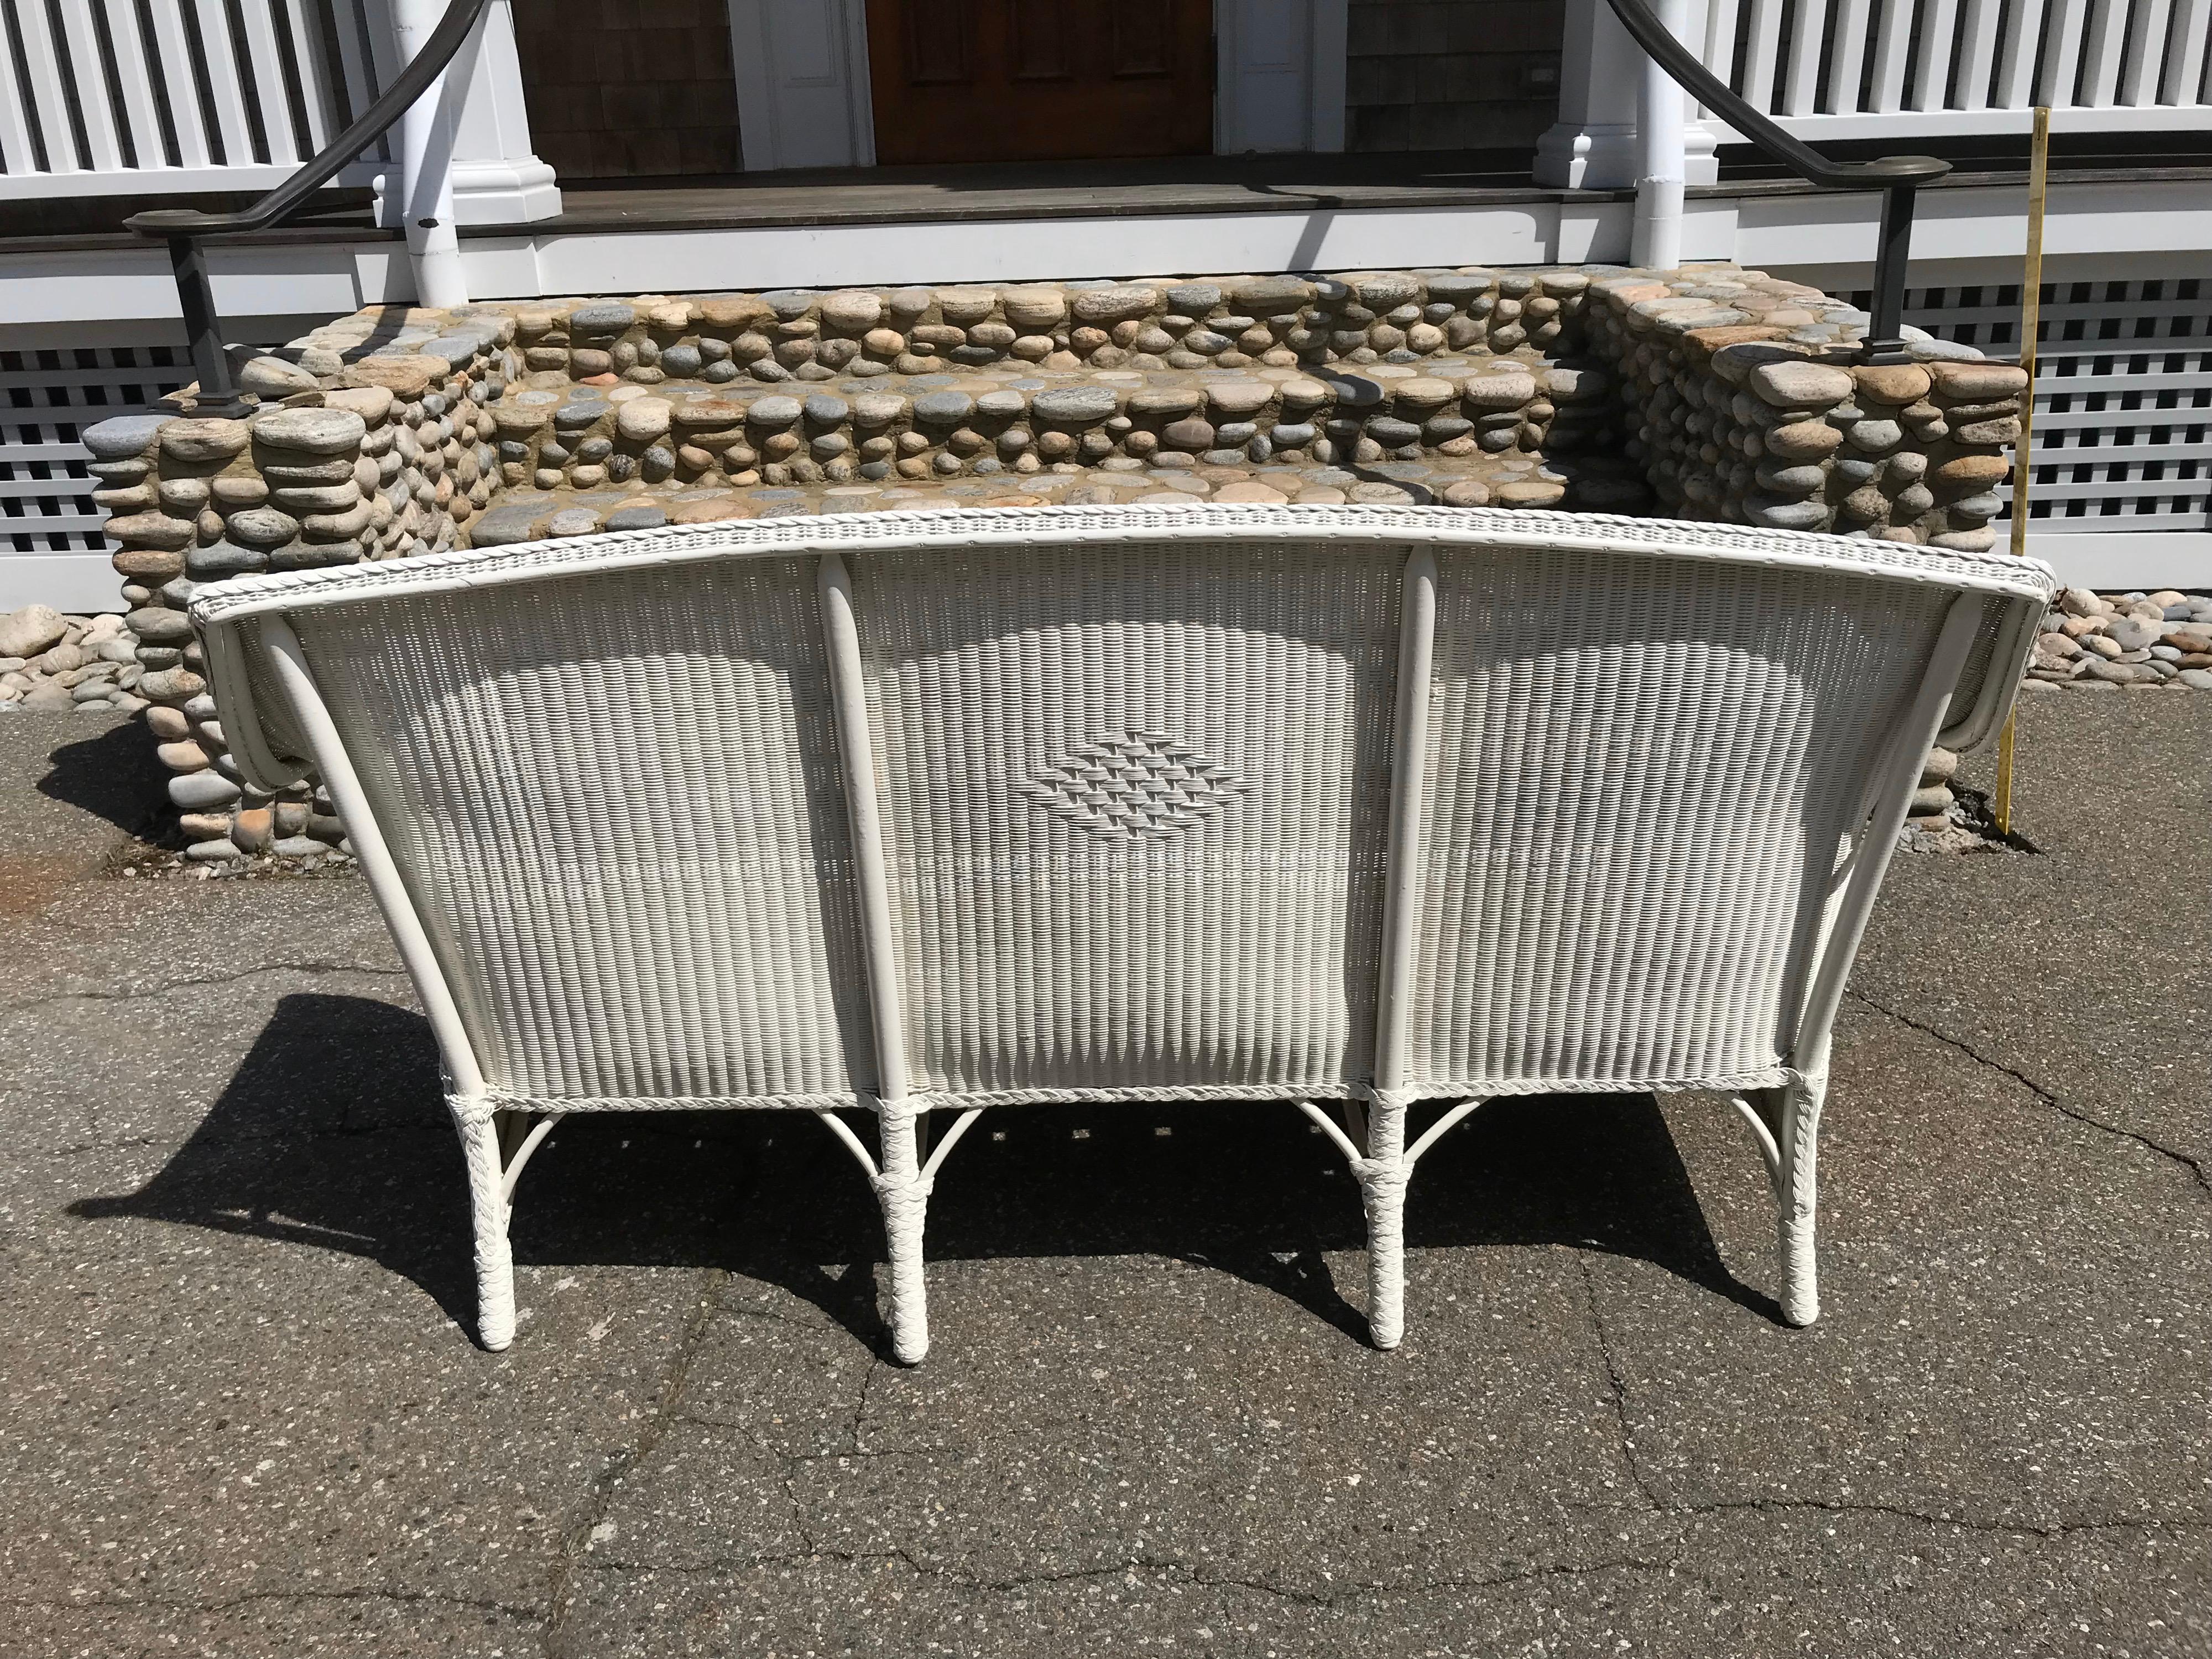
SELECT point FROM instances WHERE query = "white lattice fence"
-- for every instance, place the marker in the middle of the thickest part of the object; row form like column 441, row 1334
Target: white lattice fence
column 2124, row 395
column 51, row 550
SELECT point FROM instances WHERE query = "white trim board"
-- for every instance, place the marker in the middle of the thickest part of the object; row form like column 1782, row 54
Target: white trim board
column 74, row 582
column 2121, row 562
column 1036, row 250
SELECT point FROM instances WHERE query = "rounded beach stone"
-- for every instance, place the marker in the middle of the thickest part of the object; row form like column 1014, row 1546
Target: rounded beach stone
column 943, row 407
column 1530, row 492
column 1977, row 381
column 1072, row 406
column 573, row 521
column 197, row 792
column 148, row 564
column 1892, row 383
column 1034, row 309
column 1803, row 440
column 1795, row 384
column 774, row 411
column 198, row 442
column 1239, row 398
column 1113, row 303
column 854, row 311
column 712, row 510
column 960, row 307
column 1467, row 492
column 1785, row 515
column 601, row 318
column 1498, row 392
column 1971, row 472
column 372, row 403
column 1250, row 490
column 311, row 431
column 219, row 559
column 636, row 518
column 641, row 420
column 124, row 437
column 273, row 377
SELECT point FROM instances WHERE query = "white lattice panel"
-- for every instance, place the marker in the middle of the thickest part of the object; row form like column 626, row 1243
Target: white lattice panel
column 51, row 550
column 2124, row 395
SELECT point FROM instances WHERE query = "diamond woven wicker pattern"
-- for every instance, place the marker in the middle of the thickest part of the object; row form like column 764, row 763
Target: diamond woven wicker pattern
column 1143, row 783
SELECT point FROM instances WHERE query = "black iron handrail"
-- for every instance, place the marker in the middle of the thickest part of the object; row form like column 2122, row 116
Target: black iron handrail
column 1897, row 177
column 182, row 227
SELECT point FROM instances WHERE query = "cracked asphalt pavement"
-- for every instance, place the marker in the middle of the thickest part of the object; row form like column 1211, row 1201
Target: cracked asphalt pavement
column 242, row 1416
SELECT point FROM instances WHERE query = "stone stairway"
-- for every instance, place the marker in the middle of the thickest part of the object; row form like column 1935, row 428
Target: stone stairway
column 1709, row 393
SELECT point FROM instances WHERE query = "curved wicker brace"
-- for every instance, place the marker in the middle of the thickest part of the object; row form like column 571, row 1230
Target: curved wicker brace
column 1383, row 1170
column 903, row 1183
column 520, row 1155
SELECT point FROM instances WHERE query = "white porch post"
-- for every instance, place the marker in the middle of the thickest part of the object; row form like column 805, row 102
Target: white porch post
column 464, row 148
column 497, row 177
column 425, row 196
column 1594, row 144
column 1655, row 244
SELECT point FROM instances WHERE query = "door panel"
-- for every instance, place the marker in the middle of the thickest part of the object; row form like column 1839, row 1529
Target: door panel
column 1040, row 80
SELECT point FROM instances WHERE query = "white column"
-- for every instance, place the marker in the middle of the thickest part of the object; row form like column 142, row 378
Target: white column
column 496, row 178
column 1655, row 244
column 1594, row 144
column 426, row 166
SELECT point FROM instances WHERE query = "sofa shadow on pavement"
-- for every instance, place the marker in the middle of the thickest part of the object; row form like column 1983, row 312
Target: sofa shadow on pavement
column 113, row 774
column 333, row 1133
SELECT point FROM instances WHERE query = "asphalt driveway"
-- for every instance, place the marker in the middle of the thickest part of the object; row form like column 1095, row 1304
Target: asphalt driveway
column 241, row 1416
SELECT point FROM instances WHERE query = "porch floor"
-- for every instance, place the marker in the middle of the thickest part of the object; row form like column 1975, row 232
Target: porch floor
column 1200, row 183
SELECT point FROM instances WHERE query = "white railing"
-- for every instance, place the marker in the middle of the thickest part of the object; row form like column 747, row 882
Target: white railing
column 1885, row 68
column 131, row 97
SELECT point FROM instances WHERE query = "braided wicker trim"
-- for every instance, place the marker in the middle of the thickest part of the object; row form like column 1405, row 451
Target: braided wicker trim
column 1389, row 527
column 962, row 1100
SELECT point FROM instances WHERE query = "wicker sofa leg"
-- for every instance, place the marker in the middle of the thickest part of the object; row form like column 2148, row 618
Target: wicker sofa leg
column 902, row 1187
column 1382, row 1176
column 1383, row 1166
column 1797, row 1194
column 903, row 1183
column 488, row 1204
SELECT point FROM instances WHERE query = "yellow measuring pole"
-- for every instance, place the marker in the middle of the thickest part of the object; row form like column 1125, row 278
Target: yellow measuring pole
column 2031, row 305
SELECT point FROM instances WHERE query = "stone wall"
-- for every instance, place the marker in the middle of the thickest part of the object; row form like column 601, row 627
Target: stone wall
column 1765, row 419
column 1451, row 74
column 375, row 459
column 396, row 431
column 51, row 662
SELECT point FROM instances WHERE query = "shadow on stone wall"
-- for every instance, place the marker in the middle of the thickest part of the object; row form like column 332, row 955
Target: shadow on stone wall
column 333, row 1135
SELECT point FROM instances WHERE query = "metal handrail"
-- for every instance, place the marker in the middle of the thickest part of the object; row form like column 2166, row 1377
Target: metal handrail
column 182, row 227
column 1896, row 176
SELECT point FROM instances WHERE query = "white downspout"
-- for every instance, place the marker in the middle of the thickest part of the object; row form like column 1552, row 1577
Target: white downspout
column 1655, row 244
column 426, row 163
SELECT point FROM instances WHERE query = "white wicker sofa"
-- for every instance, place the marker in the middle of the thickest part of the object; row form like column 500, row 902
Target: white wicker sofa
column 930, row 812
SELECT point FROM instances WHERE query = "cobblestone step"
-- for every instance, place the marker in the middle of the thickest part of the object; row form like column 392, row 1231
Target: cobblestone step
column 1516, row 479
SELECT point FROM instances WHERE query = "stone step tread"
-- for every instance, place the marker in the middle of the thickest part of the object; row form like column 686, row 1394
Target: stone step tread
column 1510, row 481
column 1075, row 395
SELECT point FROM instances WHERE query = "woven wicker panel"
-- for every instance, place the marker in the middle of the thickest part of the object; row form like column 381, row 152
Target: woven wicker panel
column 617, row 801
column 1640, row 775
column 1133, row 800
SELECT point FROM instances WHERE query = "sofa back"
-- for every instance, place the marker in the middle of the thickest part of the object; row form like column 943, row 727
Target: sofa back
column 1133, row 776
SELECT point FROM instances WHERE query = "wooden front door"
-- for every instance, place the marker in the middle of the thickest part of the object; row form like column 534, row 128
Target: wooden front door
column 1040, row 80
